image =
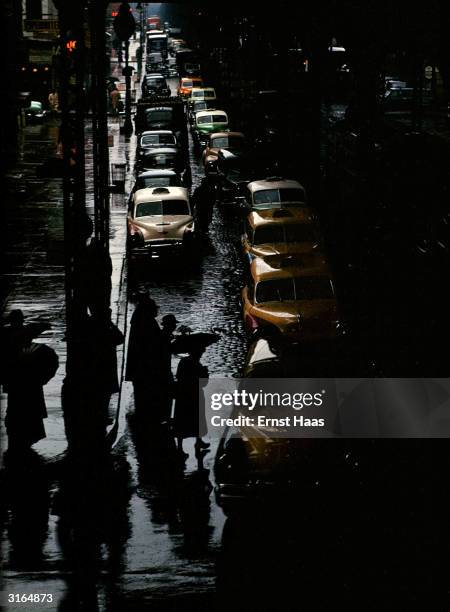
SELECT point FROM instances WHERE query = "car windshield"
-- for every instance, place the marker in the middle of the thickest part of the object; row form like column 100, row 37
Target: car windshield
column 155, row 82
column 187, row 83
column 162, row 207
column 294, row 289
column 157, row 139
column 204, row 93
column 156, row 116
column 271, row 196
column 269, row 234
column 212, row 119
column 157, row 181
column 162, row 160
column 198, row 106
column 230, row 142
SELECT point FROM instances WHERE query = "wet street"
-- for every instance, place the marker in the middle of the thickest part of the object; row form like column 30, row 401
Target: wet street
column 170, row 528
column 106, row 513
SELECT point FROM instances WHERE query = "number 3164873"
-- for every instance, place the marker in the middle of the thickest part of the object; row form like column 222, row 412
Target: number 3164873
column 30, row 598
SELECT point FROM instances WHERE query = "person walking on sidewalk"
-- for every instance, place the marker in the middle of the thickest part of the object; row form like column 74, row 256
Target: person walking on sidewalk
column 115, row 100
column 32, row 367
column 103, row 339
column 143, row 359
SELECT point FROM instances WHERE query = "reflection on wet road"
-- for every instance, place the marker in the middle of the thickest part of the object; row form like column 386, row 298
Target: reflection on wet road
column 137, row 531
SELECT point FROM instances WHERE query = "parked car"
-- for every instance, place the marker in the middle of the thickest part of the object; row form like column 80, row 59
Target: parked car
column 160, row 218
column 155, row 139
column 35, row 113
column 202, row 93
column 158, row 178
column 155, row 85
column 167, row 114
column 165, row 158
column 293, row 295
column 155, row 62
column 198, row 105
column 207, row 122
column 276, row 473
column 187, row 83
column 275, row 192
column 231, row 141
column 235, row 170
column 280, row 232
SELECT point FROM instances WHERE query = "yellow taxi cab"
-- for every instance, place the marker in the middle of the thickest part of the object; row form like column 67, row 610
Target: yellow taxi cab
column 280, row 231
column 275, row 192
column 293, row 296
column 187, row 83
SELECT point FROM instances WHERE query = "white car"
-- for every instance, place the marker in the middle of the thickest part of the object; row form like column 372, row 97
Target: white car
column 160, row 218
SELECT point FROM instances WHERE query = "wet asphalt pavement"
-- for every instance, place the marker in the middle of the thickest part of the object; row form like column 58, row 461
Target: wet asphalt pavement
column 166, row 528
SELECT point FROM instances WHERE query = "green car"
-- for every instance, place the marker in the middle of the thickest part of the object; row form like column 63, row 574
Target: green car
column 206, row 122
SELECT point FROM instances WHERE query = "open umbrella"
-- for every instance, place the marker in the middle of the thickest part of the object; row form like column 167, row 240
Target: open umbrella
column 185, row 343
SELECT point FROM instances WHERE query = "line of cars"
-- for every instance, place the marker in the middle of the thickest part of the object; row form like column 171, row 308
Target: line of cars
column 160, row 216
column 157, row 221
column 290, row 290
column 288, row 299
column 289, row 307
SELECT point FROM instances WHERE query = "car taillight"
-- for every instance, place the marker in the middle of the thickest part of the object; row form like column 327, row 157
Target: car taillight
column 136, row 236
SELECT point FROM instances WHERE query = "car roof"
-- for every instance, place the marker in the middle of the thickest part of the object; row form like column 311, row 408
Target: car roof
column 154, row 75
column 280, row 216
column 227, row 134
column 158, row 108
column 156, row 173
column 161, row 151
column 149, row 132
column 282, row 266
column 210, row 111
column 162, row 193
column 203, row 89
column 276, row 183
column 192, row 78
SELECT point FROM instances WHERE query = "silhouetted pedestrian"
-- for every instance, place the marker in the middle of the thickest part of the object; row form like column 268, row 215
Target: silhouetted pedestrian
column 103, row 339
column 189, row 417
column 92, row 274
column 204, row 198
column 115, row 99
column 34, row 366
column 143, row 358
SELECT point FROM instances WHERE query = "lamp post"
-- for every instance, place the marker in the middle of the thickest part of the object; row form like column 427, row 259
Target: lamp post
column 124, row 27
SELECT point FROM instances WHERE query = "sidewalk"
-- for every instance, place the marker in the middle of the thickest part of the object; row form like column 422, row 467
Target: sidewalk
column 33, row 278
